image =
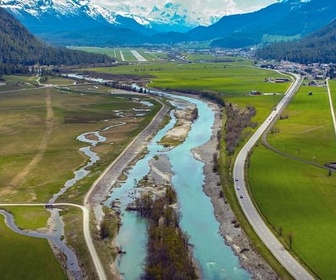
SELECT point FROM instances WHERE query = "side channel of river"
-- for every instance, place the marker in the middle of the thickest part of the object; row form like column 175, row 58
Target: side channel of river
column 56, row 233
column 215, row 258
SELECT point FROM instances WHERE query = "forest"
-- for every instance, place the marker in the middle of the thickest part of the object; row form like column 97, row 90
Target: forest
column 317, row 48
column 19, row 49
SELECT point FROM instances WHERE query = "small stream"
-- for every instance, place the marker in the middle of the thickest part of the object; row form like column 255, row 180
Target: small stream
column 56, row 233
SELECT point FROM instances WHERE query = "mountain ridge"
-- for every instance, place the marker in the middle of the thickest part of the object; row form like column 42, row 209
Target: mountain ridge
column 288, row 19
column 169, row 17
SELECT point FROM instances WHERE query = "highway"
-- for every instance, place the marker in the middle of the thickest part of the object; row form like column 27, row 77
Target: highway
column 249, row 209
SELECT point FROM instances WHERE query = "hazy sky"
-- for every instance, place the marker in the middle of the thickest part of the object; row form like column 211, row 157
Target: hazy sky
column 212, row 7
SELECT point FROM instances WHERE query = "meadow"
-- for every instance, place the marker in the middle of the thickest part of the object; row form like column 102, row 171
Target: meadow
column 34, row 217
column 27, row 258
column 39, row 153
column 294, row 197
column 308, row 131
column 27, row 137
column 233, row 80
column 298, row 199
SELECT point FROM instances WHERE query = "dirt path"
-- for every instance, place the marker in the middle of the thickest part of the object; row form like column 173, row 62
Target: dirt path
column 20, row 178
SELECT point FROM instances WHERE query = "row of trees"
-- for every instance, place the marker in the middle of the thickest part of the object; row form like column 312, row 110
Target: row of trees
column 237, row 120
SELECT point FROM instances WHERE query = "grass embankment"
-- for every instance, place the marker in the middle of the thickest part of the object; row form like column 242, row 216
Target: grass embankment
column 26, row 258
column 295, row 198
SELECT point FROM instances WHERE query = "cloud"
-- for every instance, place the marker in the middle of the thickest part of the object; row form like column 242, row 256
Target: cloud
column 206, row 7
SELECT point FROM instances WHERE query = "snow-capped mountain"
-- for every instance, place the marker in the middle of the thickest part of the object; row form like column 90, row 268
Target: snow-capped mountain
column 170, row 17
column 175, row 16
column 59, row 8
column 72, row 21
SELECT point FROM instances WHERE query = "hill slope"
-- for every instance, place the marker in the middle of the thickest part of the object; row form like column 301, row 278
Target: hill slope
column 286, row 18
column 319, row 47
column 20, row 48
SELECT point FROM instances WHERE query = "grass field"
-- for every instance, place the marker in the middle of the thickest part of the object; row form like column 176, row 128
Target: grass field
column 27, row 137
column 296, row 198
column 233, row 80
column 149, row 55
column 308, row 132
column 38, row 130
column 26, row 258
column 29, row 217
column 301, row 200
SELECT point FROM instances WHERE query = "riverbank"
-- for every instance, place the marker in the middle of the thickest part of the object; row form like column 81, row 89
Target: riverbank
column 234, row 236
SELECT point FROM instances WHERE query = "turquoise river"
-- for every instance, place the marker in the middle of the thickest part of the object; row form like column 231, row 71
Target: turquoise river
column 216, row 259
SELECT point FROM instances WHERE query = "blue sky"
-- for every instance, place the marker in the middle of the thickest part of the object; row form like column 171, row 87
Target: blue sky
column 210, row 7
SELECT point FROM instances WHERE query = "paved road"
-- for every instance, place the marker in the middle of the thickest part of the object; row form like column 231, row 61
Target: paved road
column 251, row 213
column 332, row 111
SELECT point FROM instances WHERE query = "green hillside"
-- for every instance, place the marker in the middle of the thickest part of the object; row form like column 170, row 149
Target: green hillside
column 319, row 47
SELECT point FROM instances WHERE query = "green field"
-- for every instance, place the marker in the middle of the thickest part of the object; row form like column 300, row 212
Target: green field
column 29, row 217
column 308, row 132
column 38, row 130
column 301, row 200
column 295, row 197
column 26, row 258
column 27, row 138
column 149, row 55
column 233, row 80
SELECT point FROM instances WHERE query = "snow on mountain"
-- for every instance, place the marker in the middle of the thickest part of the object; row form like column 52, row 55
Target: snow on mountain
column 168, row 15
column 176, row 14
column 58, row 8
column 172, row 16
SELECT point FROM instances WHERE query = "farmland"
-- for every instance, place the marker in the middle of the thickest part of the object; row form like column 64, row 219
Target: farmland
column 296, row 198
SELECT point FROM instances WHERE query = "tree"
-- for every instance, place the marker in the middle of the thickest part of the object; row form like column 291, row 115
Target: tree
column 290, row 239
column 104, row 231
column 280, row 231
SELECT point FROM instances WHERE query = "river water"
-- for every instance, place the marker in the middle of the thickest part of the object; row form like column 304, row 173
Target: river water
column 215, row 258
